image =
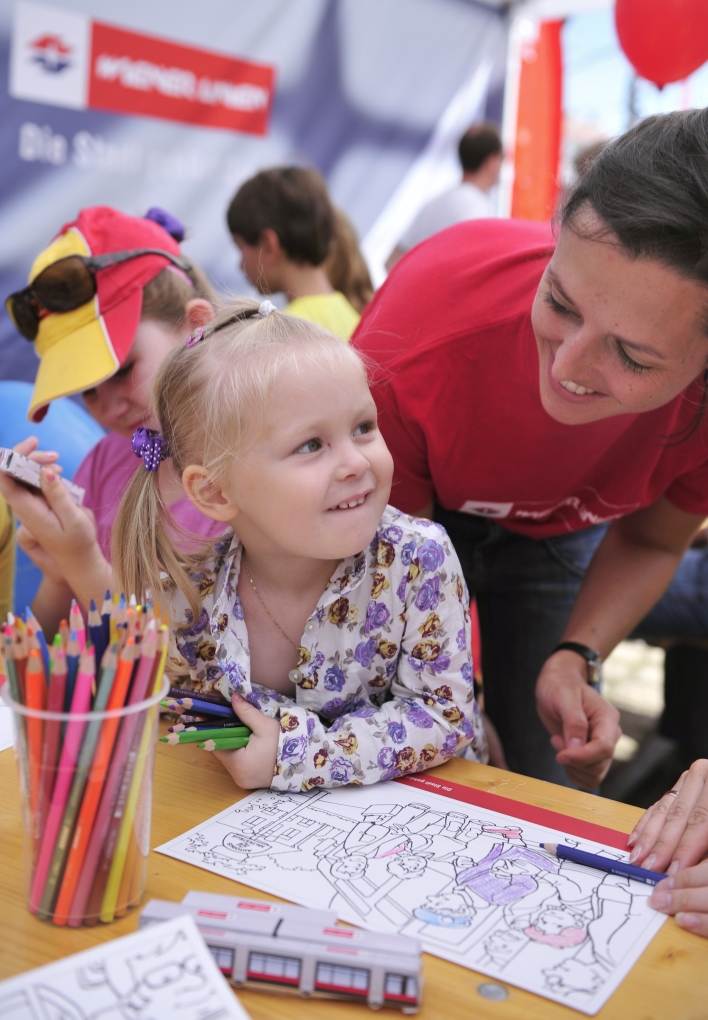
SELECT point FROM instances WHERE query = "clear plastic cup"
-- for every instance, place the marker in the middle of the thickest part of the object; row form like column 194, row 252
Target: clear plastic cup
column 86, row 794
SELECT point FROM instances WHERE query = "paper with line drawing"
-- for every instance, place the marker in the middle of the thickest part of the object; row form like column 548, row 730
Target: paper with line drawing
column 473, row 884
column 163, row 971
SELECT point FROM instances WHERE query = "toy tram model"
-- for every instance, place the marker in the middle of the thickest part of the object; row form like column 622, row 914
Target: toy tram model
column 257, row 943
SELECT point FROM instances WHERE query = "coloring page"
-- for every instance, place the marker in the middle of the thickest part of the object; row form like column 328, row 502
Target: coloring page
column 473, row 884
column 163, row 971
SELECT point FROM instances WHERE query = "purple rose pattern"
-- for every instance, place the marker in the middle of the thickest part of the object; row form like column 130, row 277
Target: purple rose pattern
column 393, row 615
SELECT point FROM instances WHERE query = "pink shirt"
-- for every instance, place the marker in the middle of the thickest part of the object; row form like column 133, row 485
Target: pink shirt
column 105, row 473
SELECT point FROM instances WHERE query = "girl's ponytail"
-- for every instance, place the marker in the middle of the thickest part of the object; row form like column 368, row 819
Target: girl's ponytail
column 143, row 546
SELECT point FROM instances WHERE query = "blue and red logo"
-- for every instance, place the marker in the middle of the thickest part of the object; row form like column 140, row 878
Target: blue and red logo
column 52, row 53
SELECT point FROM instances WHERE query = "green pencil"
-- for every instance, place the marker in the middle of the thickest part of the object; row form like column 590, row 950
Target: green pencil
column 194, row 736
column 230, row 744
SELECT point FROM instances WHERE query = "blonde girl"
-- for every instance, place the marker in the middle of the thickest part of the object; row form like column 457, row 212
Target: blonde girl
column 337, row 625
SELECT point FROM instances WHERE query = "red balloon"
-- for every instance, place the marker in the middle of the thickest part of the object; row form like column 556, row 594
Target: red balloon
column 664, row 40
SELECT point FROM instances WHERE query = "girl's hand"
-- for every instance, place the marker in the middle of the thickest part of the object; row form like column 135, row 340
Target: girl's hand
column 39, row 556
column 251, row 767
column 685, row 894
column 65, row 531
column 674, row 831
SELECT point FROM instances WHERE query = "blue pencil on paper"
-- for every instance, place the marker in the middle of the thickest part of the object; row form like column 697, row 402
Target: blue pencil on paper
column 569, row 853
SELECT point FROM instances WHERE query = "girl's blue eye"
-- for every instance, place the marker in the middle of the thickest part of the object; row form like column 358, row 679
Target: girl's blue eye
column 311, row 446
column 364, row 428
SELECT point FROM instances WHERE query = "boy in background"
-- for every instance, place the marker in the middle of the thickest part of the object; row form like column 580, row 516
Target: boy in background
column 283, row 222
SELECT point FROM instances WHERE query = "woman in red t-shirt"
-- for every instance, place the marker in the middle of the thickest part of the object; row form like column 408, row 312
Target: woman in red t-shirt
column 545, row 402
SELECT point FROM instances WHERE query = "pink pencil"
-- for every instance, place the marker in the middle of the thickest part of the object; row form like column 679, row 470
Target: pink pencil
column 80, row 703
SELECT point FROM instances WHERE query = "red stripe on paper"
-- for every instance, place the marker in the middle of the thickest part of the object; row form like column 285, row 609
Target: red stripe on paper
column 517, row 809
column 151, row 77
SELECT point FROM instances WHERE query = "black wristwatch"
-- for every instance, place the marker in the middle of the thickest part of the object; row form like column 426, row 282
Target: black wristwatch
column 591, row 657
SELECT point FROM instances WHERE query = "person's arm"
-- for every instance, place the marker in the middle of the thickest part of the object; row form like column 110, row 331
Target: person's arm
column 631, row 569
column 7, row 559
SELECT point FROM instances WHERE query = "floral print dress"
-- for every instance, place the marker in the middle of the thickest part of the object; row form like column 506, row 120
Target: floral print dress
column 384, row 680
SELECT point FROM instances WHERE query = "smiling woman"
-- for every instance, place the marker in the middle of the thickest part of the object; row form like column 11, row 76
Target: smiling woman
column 533, row 390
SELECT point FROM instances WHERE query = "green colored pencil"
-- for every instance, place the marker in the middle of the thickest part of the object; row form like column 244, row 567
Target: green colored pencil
column 194, row 736
column 230, row 744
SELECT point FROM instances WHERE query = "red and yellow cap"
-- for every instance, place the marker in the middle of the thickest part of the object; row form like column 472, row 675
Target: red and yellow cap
column 82, row 348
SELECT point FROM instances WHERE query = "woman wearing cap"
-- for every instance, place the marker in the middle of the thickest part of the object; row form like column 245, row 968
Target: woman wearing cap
column 545, row 399
column 106, row 302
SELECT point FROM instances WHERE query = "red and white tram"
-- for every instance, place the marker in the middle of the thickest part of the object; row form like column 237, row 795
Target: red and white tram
column 269, row 945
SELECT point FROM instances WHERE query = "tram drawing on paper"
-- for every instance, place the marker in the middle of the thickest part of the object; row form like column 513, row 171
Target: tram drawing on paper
column 474, row 886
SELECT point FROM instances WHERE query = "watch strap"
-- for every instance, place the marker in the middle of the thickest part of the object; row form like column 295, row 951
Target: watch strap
column 592, row 658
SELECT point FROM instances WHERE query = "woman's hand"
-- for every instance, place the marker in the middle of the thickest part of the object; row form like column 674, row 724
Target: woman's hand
column 251, row 767
column 673, row 833
column 685, row 894
column 584, row 726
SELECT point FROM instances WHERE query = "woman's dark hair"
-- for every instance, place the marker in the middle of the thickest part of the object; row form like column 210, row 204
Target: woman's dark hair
column 292, row 201
column 649, row 189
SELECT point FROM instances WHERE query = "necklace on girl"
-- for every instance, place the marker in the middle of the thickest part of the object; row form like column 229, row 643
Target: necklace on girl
column 272, row 618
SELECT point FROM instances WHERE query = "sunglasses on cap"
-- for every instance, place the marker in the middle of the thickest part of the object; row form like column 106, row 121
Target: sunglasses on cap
column 68, row 284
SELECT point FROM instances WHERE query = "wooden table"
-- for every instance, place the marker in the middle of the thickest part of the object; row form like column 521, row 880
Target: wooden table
column 670, row 982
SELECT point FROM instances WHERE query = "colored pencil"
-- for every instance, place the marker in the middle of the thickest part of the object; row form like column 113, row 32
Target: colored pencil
column 118, row 680
column 69, row 753
column 106, row 698
column 20, row 655
column 227, row 744
column 64, row 632
column 39, row 634
column 187, row 719
column 194, row 737
column 212, row 698
column 106, row 618
column 52, row 729
column 211, row 724
column 36, row 690
column 203, row 707
column 114, row 886
column 72, row 665
column 109, row 812
column 608, row 864
column 95, row 630
column 76, row 623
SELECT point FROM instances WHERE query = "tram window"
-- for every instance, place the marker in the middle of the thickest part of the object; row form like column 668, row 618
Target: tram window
column 350, row 979
column 398, row 986
column 278, row 968
column 224, row 959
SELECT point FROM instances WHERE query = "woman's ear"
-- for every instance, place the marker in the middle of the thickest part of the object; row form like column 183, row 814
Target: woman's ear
column 207, row 496
column 198, row 313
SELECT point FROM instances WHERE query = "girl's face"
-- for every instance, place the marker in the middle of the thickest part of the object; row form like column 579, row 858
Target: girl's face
column 615, row 335
column 316, row 481
column 121, row 403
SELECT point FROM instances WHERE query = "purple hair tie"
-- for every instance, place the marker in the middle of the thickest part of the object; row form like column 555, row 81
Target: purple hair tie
column 149, row 444
column 195, row 337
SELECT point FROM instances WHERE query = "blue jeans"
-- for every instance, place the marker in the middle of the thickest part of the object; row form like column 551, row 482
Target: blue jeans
column 525, row 589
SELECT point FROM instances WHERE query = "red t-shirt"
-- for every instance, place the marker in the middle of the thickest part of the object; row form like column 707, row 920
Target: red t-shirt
column 456, row 381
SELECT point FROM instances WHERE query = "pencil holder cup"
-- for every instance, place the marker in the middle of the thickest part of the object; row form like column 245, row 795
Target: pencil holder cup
column 86, row 796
